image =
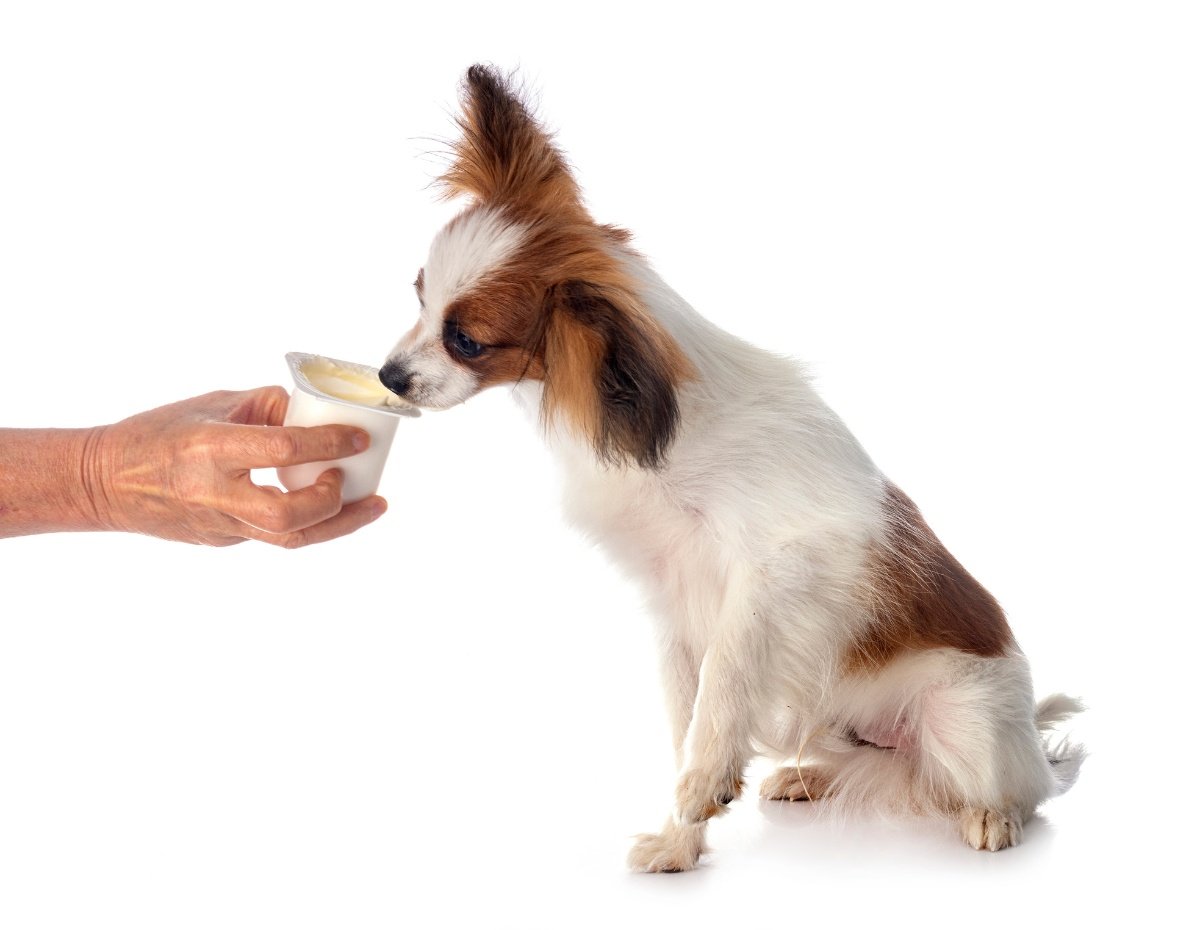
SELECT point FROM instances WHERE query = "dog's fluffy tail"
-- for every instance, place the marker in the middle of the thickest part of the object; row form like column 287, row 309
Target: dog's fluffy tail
column 1064, row 757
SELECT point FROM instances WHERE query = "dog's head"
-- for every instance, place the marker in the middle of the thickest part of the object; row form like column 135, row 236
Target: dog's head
column 525, row 285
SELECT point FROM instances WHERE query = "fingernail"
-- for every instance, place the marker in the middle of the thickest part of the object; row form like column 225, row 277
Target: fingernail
column 361, row 441
column 378, row 509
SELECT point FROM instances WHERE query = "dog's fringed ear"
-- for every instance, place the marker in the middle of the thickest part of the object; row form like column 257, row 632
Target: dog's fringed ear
column 504, row 156
column 611, row 372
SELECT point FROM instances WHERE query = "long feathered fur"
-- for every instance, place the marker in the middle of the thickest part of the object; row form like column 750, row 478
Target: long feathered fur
column 805, row 608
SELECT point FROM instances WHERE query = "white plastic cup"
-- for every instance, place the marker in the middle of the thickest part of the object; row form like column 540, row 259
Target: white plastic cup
column 310, row 406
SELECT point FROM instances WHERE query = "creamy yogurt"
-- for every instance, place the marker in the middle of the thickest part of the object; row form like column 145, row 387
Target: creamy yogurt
column 329, row 390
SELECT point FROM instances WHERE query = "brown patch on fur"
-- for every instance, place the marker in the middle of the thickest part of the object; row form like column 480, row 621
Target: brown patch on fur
column 497, row 313
column 922, row 598
column 571, row 353
column 504, row 155
column 617, row 234
column 563, row 310
column 611, row 372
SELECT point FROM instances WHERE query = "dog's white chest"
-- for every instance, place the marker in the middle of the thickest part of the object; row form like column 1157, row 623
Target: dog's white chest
column 666, row 545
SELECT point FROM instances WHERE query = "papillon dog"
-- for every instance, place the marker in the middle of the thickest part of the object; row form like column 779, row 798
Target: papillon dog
column 806, row 610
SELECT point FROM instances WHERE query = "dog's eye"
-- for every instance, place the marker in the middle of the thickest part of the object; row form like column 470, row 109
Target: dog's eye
column 464, row 345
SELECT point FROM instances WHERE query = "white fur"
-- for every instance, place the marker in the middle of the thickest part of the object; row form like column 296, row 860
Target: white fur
column 463, row 252
column 751, row 543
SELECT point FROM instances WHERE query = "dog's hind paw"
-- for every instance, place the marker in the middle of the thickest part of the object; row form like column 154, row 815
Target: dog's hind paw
column 676, row 849
column 991, row 830
column 794, row 784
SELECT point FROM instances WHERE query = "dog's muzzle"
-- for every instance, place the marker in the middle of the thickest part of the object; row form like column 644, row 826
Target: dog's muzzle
column 396, row 378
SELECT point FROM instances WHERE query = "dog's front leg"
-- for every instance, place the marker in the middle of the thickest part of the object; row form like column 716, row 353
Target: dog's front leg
column 717, row 744
column 681, row 681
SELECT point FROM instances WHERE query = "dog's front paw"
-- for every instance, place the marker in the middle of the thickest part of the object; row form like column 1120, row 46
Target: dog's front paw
column 676, row 849
column 701, row 795
column 991, row 830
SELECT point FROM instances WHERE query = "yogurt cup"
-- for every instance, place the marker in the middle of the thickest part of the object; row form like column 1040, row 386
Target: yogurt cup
column 329, row 390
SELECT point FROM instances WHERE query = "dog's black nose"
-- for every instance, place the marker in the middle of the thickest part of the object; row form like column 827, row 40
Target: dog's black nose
column 396, row 378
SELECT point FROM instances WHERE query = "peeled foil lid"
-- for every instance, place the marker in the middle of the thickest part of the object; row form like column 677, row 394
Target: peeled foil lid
column 392, row 405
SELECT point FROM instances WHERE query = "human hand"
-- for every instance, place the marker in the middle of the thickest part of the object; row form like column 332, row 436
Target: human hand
column 182, row 472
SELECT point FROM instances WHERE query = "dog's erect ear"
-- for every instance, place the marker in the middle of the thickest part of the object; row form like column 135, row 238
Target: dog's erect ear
column 504, row 157
column 611, row 372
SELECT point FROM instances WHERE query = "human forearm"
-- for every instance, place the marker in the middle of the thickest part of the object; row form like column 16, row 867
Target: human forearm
column 46, row 481
column 183, row 472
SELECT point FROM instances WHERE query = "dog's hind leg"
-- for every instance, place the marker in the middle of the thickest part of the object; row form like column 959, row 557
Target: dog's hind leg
column 963, row 741
column 981, row 749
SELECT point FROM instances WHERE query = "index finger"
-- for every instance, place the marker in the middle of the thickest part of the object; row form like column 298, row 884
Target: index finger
column 276, row 446
column 265, row 406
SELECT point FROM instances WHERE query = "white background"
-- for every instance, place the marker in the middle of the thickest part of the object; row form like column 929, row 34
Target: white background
column 977, row 222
